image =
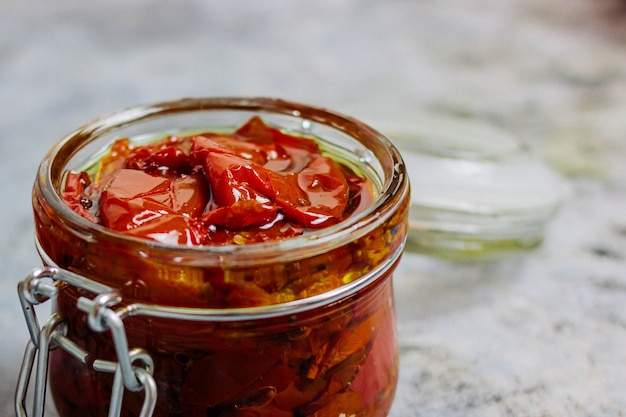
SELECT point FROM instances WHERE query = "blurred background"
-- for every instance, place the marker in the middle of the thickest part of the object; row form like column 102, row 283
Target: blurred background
column 538, row 336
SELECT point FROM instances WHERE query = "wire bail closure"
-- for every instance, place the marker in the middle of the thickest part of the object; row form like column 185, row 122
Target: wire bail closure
column 133, row 369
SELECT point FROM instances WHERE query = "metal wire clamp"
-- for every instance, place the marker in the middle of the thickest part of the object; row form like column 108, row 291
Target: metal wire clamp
column 133, row 369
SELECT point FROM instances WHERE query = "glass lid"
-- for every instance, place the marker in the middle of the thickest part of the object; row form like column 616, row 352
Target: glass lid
column 476, row 193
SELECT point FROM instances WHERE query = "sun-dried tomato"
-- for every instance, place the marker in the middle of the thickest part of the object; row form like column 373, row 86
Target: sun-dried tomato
column 256, row 184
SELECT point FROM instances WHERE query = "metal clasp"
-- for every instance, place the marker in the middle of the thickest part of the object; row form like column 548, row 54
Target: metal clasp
column 133, row 369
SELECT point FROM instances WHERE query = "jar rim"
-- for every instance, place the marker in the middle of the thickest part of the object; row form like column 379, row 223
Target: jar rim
column 394, row 185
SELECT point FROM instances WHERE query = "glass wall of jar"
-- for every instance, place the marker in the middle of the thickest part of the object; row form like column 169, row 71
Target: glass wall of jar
column 330, row 351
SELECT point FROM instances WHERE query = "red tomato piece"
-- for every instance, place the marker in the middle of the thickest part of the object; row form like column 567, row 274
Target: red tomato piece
column 168, row 156
column 75, row 194
column 233, row 179
column 259, row 132
column 155, row 207
column 379, row 367
column 251, row 151
column 171, row 229
column 315, row 197
column 229, row 373
column 241, row 214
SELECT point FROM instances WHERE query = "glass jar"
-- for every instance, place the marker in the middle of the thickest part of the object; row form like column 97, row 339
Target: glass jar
column 331, row 353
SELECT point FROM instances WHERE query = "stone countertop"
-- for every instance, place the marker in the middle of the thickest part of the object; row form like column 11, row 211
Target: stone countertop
column 543, row 334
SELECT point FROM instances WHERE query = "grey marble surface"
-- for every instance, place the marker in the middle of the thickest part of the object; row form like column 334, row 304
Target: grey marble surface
column 540, row 335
